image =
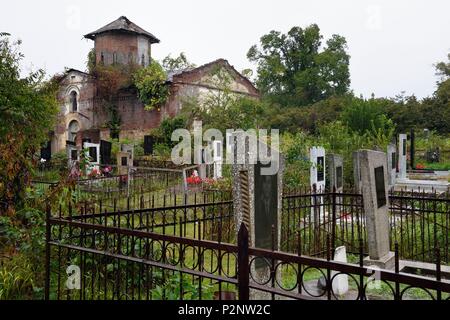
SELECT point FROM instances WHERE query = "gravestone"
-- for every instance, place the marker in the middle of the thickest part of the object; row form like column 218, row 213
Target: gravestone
column 46, row 151
column 149, row 143
column 318, row 168
column 105, row 152
column 128, row 148
column 402, row 151
column 257, row 202
column 218, row 159
column 124, row 162
column 392, row 164
column 94, row 156
column 340, row 281
column 317, row 180
column 336, row 172
column 375, row 181
column 73, row 155
column 202, row 167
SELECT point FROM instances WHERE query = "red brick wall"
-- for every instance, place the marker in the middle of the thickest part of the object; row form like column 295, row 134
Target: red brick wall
column 122, row 44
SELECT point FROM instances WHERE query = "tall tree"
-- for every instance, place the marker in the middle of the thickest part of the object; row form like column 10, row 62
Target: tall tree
column 294, row 69
column 28, row 108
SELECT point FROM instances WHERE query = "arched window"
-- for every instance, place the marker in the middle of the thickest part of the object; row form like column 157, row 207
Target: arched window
column 73, row 129
column 115, row 60
column 143, row 60
column 102, row 59
column 74, row 101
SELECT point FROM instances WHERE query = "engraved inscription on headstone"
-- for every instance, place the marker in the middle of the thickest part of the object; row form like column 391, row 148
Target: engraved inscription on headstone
column 125, row 161
column 380, row 187
column 404, row 147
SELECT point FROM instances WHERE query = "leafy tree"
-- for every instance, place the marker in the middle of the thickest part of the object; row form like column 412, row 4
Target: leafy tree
column 294, row 69
column 151, row 83
column 179, row 63
column 28, row 108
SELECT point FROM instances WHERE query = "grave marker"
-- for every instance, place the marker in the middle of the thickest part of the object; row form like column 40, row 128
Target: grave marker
column 392, row 164
column 258, row 204
column 336, row 172
column 374, row 176
column 318, row 169
column 402, row 145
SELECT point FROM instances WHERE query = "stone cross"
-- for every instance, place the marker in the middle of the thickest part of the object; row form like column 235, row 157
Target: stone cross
column 374, row 177
column 402, row 151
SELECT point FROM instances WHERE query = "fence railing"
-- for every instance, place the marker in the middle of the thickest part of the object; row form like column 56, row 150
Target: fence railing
column 95, row 257
column 419, row 223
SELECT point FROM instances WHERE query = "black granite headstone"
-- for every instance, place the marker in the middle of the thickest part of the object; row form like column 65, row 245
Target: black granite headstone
column 266, row 207
column 380, row 187
column 74, row 155
column 149, row 143
column 105, row 152
column 46, row 152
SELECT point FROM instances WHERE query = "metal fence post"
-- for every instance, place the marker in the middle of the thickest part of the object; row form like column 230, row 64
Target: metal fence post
column 47, row 253
column 243, row 264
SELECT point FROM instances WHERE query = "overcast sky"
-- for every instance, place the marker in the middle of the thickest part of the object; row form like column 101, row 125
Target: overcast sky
column 393, row 44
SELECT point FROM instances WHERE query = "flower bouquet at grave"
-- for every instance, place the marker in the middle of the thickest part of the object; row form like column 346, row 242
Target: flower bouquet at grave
column 107, row 172
column 95, row 173
column 420, row 166
column 194, row 180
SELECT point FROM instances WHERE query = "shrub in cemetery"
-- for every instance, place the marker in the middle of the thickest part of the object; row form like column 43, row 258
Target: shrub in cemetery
column 28, row 108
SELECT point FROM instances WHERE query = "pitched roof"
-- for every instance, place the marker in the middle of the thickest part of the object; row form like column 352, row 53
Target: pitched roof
column 175, row 75
column 123, row 25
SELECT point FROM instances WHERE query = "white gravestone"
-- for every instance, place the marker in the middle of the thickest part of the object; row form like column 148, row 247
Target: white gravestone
column 375, row 191
column 94, row 156
column 340, row 282
column 73, row 155
column 317, row 179
column 392, row 164
column 318, row 168
column 402, row 151
column 218, row 159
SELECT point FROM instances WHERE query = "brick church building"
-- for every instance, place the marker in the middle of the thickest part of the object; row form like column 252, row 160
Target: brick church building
column 83, row 117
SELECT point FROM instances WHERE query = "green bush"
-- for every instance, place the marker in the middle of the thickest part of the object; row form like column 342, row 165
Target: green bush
column 151, row 85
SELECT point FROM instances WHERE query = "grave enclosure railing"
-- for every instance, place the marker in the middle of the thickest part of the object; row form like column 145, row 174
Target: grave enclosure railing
column 146, row 255
column 419, row 223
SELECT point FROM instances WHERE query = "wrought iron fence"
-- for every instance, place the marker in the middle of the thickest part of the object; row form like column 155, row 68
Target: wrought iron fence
column 419, row 223
column 124, row 256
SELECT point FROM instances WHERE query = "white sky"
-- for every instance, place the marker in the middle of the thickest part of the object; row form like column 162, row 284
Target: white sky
column 393, row 44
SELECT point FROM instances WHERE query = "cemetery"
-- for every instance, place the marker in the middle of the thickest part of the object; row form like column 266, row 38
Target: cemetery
column 141, row 179
column 163, row 238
